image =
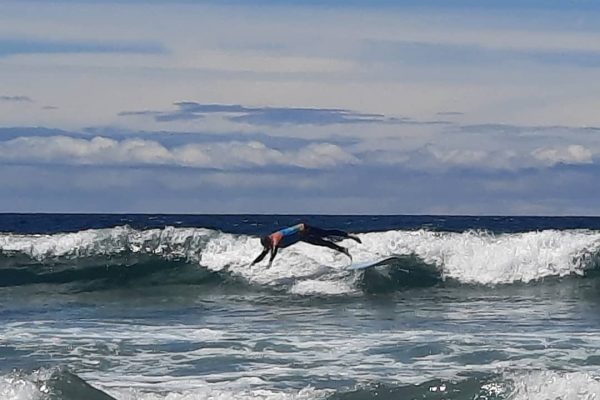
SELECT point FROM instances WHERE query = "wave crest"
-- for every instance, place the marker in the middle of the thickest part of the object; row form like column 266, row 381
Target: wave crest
column 425, row 257
column 168, row 242
column 479, row 257
column 48, row 384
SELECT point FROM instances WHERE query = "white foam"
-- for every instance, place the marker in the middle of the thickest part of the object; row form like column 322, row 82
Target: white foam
column 34, row 334
column 311, row 286
column 168, row 242
column 484, row 258
column 298, row 263
column 15, row 387
column 554, row 385
column 296, row 353
column 211, row 393
column 468, row 257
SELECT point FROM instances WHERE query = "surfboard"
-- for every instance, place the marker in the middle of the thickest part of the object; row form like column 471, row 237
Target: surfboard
column 359, row 266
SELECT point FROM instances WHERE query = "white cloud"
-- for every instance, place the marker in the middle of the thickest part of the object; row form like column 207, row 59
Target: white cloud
column 258, row 62
column 441, row 158
column 282, row 56
column 460, row 156
column 224, row 155
column 573, row 154
column 490, row 159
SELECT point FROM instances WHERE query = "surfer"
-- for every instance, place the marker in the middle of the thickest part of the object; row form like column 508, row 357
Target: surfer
column 302, row 233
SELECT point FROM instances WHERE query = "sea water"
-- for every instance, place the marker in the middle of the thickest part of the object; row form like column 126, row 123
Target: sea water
column 167, row 307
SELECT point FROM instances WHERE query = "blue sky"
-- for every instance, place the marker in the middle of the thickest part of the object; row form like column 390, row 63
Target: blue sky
column 420, row 107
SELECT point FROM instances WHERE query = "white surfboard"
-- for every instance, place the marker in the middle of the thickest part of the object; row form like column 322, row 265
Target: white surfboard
column 358, row 266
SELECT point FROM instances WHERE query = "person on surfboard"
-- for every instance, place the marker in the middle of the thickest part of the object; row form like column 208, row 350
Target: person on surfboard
column 302, row 233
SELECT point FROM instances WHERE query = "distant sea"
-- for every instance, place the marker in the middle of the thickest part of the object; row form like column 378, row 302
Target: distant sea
column 166, row 307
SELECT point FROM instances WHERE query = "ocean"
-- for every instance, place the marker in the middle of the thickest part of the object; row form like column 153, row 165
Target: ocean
column 166, row 307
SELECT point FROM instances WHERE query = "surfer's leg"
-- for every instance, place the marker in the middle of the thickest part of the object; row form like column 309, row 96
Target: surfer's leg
column 332, row 233
column 318, row 241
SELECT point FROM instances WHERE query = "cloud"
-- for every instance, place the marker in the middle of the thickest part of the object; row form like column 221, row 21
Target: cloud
column 494, row 148
column 274, row 116
column 494, row 155
column 560, row 190
column 11, row 47
column 450, row 113
column 524, row 130
column 248, row 60
column 130, row 152
column 163, row 116
column 349, row 76
column 17, row 99
column 248, row 176
column 460, row 156
column 488, row 147
column 439, row 52
column 17, row 132
column 176, row 138
column 499, row 147
column 385, row 4
column 572, row 154
column 432, row 158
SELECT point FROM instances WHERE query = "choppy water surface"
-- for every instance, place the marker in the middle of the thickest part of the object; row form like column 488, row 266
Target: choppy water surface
column 166, row 307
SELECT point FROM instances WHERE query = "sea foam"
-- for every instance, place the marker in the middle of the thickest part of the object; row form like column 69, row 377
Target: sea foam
column 472, row 257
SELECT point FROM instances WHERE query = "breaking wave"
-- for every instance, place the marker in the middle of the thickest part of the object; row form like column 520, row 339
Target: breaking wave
column 48, row 384
column 530, row 385
column 59, row 383
column 123, row 255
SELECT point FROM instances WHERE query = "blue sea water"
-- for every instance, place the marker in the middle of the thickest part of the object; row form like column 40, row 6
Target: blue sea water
column 167, row 307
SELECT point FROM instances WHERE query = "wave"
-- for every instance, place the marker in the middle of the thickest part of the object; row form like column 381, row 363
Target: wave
column 48, row 384
column 102, row 274
column 514, row 386
column 59, row 383
column 124, row 256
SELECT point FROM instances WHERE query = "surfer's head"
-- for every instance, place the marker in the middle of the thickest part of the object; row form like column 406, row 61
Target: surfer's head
column 266, row 242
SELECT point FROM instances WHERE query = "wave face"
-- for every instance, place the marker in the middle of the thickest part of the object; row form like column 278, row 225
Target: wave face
column 123, row 255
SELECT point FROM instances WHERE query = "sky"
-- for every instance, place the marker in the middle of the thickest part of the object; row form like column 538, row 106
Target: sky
column 314, row 107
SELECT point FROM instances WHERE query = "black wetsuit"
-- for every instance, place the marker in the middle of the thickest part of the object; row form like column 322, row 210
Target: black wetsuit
column 303, row 233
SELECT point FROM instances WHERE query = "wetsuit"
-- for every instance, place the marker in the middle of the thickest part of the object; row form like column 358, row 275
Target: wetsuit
column 302, row 233
column 288, row 236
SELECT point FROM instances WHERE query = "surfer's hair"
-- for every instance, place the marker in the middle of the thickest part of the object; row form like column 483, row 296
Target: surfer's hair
column 266, row 241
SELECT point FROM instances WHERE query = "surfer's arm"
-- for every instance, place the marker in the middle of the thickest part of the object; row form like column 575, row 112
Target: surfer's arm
column 260, row 256
column 273, row 254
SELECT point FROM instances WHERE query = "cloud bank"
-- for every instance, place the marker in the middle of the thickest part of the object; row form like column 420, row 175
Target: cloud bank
column 102, row 151
column 270, row 116
column 17, row 99
column 12, row 47
column 385, row 106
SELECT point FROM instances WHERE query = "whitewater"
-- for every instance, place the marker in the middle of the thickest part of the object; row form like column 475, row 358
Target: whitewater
column 152, row 307
column 471, row 257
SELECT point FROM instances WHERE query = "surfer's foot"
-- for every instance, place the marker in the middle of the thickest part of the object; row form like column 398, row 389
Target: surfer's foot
column 355, row 238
